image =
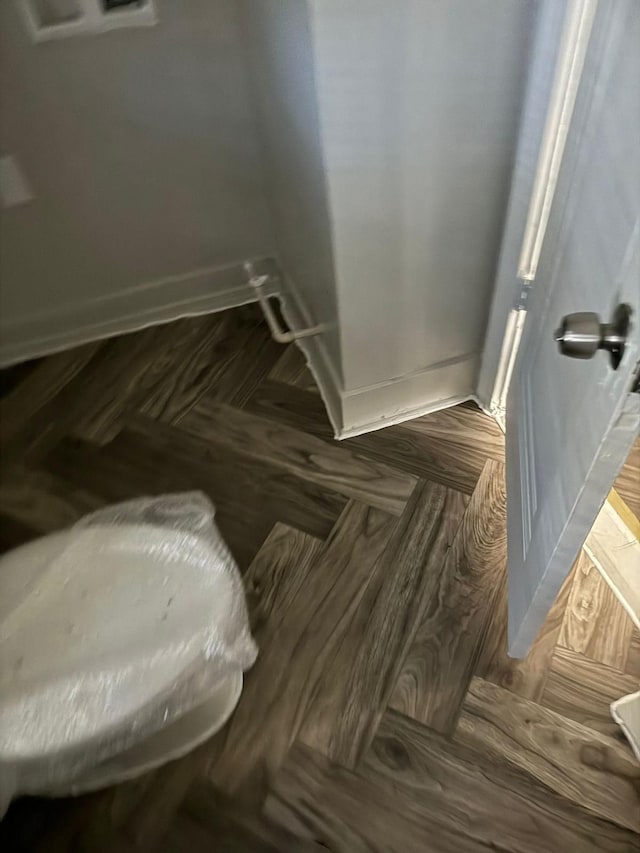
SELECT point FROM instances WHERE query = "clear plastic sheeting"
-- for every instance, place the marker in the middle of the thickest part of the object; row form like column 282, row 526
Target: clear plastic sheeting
column 109, row 632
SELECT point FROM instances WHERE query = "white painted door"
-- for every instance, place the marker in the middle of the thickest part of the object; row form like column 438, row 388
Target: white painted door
column 571, row 423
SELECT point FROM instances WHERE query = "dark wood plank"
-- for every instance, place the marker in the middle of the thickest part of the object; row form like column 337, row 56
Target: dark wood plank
column 38, row 416
column 445, row 650
column 454, row 465
column 39, row 387
column 301, row 644
column 464, row 426
column 595, row 624
column 41, row 501
column 633, row 655
column 583, row 690
column 356, row 687
column 255, row 744
column 99, row 820
column 330, row 465
column 276, row 576
column 90, row 825
column 193, row 353
column 162, row 371
column 91, row 404
column 432, row 458
column 224, row 355
column 123, row 470
column 250, row 496
column 254, row 359
column 234, row 480
column 597, row 772
column 147, row 822
column 291, row 369
column 184, row 833
column 526, row 677
column 294, row 407
column 103, row 390
column 230, row 828
column 223, row 836
column 347, row 813
column 491, row 804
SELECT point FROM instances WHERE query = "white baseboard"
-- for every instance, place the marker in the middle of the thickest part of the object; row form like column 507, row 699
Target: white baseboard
column 214, row 289
column 374, row 407
column 407, row 397
column 201, row 291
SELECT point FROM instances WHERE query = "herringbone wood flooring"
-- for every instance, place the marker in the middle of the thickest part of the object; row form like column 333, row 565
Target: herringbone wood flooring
column 383, row 713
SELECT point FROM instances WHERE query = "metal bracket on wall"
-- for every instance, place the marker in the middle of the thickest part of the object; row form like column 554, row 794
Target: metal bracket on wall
column 279, row 334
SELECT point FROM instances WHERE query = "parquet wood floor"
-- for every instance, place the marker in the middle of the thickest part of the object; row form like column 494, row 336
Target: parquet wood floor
column 383, row 713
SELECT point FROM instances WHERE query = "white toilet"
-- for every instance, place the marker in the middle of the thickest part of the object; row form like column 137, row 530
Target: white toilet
column 121, row 647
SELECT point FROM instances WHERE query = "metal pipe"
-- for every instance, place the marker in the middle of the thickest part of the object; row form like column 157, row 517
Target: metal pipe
column 279, row 335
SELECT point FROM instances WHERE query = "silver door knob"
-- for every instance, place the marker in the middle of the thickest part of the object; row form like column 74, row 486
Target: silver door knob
column 581, row 335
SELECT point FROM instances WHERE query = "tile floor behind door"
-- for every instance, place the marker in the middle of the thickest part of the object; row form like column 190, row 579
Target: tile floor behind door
column 383, row 713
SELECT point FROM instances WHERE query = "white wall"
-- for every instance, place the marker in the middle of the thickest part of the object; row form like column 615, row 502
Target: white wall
column 419, row 107
column 141, row 148
column 392, row 129
column 389, row 132
column 281, row 48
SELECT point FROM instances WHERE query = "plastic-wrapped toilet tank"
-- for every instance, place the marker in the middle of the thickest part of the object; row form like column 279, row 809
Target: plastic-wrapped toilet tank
column 122, row 645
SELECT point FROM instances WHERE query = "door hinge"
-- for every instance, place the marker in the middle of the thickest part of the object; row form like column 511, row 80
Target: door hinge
column 521, row 302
